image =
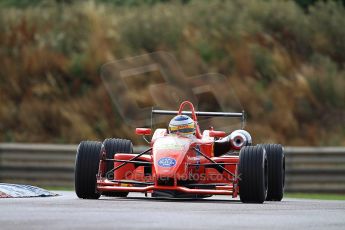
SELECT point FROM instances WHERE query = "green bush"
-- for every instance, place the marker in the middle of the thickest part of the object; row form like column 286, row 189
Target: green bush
column 150, row 31
column 328, row 83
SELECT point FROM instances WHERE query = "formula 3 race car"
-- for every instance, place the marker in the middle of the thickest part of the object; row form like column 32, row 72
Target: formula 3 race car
column 211, row 163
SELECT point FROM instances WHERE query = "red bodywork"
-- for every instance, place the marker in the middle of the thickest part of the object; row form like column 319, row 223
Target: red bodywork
column 174, row 163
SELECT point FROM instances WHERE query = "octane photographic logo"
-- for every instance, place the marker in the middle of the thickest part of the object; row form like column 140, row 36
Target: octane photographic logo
column 156, row 80
column 201, row 177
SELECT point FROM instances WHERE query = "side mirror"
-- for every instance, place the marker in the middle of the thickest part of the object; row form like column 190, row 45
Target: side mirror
column 213, row 133
column 143, row 131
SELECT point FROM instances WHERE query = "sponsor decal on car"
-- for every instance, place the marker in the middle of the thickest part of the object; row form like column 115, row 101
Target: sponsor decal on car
column 167, row 162
column 170, row 146
column 197, row 154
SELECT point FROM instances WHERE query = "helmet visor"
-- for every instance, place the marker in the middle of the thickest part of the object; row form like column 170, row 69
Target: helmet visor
column 185, row 129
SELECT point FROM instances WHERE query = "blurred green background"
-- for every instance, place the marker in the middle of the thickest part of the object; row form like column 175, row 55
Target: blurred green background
column 285, row 60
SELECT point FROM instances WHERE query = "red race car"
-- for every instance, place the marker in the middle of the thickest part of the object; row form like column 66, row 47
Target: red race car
column 183, row 162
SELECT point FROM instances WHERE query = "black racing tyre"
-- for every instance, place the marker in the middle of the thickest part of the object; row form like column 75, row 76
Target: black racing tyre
column 276, row 171
column 111, row 147
column 116, row 145
column 253, row 174
column 86, row 169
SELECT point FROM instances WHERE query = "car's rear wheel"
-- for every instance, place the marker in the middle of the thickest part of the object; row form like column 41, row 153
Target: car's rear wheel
column 253, row 174
column 86, row 168
column 276, row 171
column 113, row 146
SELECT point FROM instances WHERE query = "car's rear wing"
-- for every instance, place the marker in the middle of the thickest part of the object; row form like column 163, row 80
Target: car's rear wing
column 199, row 113
column 202, row 114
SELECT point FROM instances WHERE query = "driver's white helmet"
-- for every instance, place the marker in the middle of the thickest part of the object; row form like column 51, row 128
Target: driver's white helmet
column 183, row 125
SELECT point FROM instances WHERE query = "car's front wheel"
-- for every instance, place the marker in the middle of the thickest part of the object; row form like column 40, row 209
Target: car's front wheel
column 253, row 174
column 86, row 168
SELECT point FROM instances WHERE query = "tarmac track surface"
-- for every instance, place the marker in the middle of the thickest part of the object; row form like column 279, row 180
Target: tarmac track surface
column 137, row 212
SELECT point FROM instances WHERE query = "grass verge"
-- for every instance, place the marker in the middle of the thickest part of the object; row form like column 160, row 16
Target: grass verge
column 58, row 188
column 316, row 196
